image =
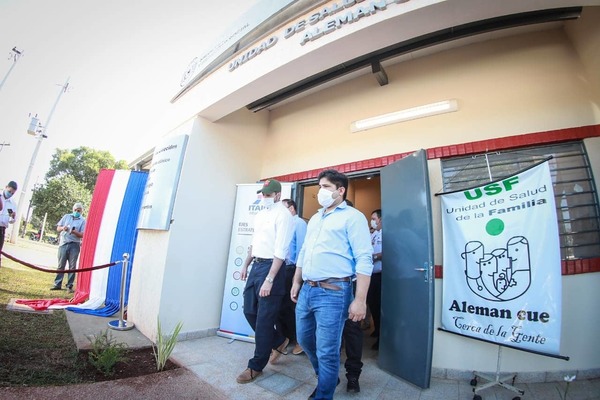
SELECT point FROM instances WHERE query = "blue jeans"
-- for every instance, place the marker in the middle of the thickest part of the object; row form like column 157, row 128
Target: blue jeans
column 320, row 317
column 67, row 252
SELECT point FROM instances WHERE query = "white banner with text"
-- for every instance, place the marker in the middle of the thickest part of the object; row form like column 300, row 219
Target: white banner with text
column 247, row 205
column 502, row 268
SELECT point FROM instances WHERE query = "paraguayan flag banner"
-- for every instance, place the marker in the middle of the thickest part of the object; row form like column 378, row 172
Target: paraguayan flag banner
column 502, row 269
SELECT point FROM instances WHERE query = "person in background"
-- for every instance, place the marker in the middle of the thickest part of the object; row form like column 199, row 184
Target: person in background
column 287, row 315
column 265, row 286
column 337, row 248
column 374, row 295
column 70, row 227
column 7, row 211
column 353, row 344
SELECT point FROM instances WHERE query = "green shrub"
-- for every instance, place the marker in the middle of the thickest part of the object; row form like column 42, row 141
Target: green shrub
column 106, row 352
column 165, row 345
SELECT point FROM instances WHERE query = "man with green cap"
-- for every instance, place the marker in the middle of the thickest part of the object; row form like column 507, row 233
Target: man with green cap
column 265, row 284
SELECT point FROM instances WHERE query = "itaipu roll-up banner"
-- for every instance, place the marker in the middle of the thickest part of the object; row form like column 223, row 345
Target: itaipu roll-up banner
column 161, row 187
column 502, row 271
column 247, row 205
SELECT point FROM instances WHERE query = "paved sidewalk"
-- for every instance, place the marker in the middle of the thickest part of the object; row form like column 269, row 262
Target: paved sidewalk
column 212, row 364
column 219, row 361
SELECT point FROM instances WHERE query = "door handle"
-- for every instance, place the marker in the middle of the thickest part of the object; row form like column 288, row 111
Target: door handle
column 425, row 270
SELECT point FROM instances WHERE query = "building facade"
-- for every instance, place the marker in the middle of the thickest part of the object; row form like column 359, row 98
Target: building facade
column 523, row 74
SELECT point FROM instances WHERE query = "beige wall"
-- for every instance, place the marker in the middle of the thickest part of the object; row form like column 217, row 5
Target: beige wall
column 505, row 87
column 585, row 35
column 191, row 266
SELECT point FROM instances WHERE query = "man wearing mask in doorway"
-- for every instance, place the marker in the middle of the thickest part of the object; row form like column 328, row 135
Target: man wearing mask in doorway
column 265, row 286
column 337, row 247
column 7, row 209
column 374, row 296
column 70, row 227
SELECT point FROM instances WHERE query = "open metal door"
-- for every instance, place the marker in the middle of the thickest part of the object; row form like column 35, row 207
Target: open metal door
column 407, row 290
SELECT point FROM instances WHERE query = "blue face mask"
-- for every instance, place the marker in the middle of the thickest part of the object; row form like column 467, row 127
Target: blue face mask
column 7, row 194
column 76, row 214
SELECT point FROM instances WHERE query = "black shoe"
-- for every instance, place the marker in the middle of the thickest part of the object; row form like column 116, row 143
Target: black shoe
column 55, row 288
column 353, row 386
column 375, row 345
column 314, row 393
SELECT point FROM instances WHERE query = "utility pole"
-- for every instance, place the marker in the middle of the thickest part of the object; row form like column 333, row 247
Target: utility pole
column 40, row 135
column 14, row 55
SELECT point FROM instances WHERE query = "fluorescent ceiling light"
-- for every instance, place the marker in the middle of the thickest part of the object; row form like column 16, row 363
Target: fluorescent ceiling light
column 405, row 115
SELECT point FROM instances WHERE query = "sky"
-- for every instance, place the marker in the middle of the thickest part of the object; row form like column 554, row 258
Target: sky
column 124, row 60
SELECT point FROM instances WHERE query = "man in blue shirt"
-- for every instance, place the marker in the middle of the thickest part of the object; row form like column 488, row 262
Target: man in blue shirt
column 70, row 227
column 337, row 247
column 286, row 321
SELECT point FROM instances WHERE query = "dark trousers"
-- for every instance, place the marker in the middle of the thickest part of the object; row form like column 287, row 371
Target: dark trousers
column 353, row 343
column 2, row 230
column 261, row 313
column 374, row 301
column 286, row 322
column 68, row 252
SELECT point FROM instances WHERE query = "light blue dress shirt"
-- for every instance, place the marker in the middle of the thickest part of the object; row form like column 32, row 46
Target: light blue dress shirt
column 337, row 245
column 297, row 240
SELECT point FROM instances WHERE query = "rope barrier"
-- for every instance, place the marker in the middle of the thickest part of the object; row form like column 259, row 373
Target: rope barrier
column 70, row 271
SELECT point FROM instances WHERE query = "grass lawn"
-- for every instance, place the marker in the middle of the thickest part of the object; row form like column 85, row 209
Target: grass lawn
column 35, row 349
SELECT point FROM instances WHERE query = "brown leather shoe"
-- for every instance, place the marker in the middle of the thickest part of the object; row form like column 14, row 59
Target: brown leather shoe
column 248, row 376
column 297, row 350
column 282, row 349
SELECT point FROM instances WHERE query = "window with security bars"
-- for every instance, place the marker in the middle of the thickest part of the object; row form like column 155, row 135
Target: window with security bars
column 574, row 189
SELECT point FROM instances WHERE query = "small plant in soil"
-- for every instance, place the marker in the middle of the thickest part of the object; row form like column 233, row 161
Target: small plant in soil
column 106, row 352
column 164, row 345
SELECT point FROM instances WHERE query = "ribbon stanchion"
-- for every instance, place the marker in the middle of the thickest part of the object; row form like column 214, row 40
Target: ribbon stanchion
column 120, row 324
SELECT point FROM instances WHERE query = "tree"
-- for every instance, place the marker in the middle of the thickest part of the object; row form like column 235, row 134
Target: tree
column 83, row 164
column 57, row 197
column 70, row 179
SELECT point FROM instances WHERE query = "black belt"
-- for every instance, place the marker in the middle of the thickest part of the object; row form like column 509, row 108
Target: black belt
column 327, row 283
column 258, row 259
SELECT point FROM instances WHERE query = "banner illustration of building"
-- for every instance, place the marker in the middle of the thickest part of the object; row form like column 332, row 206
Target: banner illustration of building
column 502, row 268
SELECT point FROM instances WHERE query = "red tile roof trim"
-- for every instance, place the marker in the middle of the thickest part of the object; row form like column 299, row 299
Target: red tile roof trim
column 462, row 149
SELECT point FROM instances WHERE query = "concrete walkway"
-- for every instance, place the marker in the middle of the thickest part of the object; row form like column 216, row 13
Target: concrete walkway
column 212, row 364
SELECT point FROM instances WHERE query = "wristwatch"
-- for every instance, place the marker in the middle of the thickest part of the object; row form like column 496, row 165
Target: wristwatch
column 269, row 279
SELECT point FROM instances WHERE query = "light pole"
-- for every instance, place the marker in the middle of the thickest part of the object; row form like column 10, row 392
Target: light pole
column 35, row 128
column 36, row 186
column 14, row 55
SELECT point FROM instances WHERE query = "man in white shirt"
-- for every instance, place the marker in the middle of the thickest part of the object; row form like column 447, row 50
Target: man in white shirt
column 265, row 284
column 7, row 209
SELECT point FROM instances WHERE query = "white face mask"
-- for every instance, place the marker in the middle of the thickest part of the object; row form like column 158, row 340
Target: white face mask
column 325, row 198
column 267, row 201
column 373, row 224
